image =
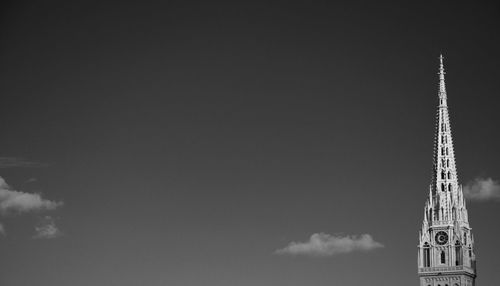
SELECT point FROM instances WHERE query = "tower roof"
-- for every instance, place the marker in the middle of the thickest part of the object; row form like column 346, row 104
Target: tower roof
column 444, row 177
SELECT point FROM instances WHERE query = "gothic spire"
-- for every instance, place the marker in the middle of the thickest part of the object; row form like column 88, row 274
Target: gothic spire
column 446, row 244
column 444, row 180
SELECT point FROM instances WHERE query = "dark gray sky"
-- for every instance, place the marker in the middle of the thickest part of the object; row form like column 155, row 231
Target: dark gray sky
column 191, row 140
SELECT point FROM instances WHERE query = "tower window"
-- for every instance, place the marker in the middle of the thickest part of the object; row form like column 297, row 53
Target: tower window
column 458, row 253
column 449, row 175
column 449, row 188
column 427, row 255
column 448, row 163
column 443, row 257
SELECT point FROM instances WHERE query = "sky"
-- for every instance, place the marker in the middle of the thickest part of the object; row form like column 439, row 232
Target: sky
column 238, row 143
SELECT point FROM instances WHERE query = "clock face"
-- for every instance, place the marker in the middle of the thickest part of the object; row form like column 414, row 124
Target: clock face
column 441, row 237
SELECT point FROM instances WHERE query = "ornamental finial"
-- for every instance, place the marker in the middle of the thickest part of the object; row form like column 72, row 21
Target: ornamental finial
column 442, row 88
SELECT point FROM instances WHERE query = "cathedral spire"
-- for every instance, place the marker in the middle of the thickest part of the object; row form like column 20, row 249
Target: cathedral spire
column 446, row 246
column 444, row 179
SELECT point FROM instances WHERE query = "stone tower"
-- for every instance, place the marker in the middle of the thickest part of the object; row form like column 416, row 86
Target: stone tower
column 446, row 244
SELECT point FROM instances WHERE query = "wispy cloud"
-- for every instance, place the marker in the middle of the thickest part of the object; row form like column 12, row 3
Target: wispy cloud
column 481, row 189
column 16, row 201
column 47, row 229
column 322, row 244
column 15, row 162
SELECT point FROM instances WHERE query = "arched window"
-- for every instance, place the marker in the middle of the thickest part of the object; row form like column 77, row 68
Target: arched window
column 442, row 175
column 449, row 175
column 458, row 253
column 443, row 189
column 427, row 255
column 449, row 187
column 447, row 162
column 443, row 257
column 446, row 151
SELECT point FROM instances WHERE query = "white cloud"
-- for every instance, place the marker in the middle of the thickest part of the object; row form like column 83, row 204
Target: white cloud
column 481, row 189
column 322, row 244
column 16, row 201
column 14, row 162
column 47, row 229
